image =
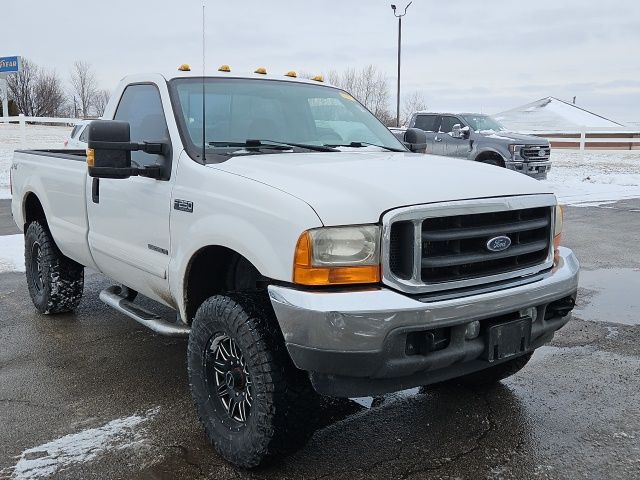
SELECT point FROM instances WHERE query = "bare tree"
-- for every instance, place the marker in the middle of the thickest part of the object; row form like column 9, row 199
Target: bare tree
column 49, row 95
column 413, row 102
column 369, row 86
column 36, row 92
column 84, row 85
column 21, row 86
column 100, row 100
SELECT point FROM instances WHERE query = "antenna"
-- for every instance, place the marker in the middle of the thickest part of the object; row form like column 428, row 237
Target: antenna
column 203, row 96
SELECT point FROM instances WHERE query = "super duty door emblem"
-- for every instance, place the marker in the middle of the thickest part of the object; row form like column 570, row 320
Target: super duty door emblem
column 183, row 205
column 158, row 249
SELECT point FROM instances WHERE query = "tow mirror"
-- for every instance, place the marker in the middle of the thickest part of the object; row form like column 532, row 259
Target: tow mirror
column 459, row 131
column 110, row 147
column 415, row 140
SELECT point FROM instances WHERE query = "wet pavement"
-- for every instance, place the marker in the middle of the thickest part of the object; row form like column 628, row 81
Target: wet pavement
column 94, row 395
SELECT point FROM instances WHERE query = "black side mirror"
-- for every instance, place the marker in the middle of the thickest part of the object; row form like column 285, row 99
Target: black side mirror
column 110, row 147
column 103, row 159
column 416, row 140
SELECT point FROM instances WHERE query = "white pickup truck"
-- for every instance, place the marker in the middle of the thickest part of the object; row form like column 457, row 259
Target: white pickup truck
column 305, row 249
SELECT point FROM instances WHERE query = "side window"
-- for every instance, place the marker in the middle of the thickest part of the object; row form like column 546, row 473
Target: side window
column 447, row 123
column 141, row 106
column 84, row 135
column 426, row 122
column 74, row 132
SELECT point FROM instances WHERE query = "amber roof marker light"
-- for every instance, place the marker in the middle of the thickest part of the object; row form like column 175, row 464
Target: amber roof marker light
column 224, row 68
column 261, row 70
column 184, row 68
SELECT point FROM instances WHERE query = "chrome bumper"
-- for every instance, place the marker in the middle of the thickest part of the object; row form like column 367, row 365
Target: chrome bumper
column 532, row 169
column 360, row 320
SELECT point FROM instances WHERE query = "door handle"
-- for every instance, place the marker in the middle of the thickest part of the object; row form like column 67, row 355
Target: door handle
column 95, row 190
column 438, row 139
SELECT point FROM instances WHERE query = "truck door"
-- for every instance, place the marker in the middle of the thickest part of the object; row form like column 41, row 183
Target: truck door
column 129, row 219
column 427, row 122
column 452, row 147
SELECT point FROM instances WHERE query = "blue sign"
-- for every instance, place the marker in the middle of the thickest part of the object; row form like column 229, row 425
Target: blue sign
column 9, row 64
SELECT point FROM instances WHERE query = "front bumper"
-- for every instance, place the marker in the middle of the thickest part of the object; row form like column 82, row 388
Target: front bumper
column 537, row 170
column 354, row 342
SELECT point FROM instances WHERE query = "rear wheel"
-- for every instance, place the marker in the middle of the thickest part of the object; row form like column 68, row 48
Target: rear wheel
column 492, row 375
column 55, row 281
column 251, row 400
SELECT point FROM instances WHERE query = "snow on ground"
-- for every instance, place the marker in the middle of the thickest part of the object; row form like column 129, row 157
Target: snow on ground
column 12, row 253
column 594, row 177
column 71, row 450
column 36, row 136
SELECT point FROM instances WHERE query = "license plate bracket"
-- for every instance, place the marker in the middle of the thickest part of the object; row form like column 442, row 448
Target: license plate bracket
column 508, row 339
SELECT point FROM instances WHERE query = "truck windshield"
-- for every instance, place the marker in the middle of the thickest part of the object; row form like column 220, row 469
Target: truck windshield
column 483, row 123
column 298, row 114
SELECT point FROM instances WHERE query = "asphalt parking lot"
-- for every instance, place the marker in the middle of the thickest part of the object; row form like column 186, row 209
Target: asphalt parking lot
column 94, row 395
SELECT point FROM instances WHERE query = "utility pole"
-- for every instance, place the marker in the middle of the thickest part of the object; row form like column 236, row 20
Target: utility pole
column 399, row 17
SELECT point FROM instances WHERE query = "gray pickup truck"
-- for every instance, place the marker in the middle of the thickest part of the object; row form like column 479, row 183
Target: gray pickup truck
column 483, row 139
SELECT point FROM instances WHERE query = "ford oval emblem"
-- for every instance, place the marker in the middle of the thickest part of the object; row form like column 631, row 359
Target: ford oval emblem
column 498, row 244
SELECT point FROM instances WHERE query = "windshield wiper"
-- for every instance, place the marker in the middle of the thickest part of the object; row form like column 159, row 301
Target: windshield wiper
column 274, row 145
column 365, row 144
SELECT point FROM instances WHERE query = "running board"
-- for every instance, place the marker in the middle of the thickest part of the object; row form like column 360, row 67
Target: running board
column 111, row 297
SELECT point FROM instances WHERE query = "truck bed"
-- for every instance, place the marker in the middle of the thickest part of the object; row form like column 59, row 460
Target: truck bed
column 57, row 179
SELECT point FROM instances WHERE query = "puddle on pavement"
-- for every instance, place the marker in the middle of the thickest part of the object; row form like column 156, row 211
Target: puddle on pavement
column 374, row 402
column 614, row 296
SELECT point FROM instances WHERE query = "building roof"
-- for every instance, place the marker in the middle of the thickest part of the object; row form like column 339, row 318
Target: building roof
column 552, row 114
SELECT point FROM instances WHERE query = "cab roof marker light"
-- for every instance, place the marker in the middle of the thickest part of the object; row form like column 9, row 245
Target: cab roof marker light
column 261, row 70
column 224, row 68
column 184, row 68
column 291, row 73
column 318, row 78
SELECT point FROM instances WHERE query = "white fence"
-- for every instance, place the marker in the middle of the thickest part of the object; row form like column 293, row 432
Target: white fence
column 601, row 138
column 22, row 120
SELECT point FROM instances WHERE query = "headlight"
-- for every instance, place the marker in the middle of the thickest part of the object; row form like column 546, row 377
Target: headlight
column 514, row 150
column 338, row 255
column 557, row 228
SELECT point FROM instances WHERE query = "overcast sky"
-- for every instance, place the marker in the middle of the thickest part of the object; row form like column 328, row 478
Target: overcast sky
column 483, row 55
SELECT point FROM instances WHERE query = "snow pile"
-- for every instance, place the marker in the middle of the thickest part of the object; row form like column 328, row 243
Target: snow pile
column 594, row 177
column 11, row 253
column 552, row 114
column 52, row 457
column 36, row 136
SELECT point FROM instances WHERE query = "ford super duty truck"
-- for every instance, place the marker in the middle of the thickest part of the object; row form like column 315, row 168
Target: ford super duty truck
column 481, row 138
column 305, row 249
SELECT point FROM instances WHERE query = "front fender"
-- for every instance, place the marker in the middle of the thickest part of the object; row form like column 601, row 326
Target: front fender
column 257, row 221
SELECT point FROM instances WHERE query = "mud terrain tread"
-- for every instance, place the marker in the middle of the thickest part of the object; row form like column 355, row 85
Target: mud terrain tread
column 63, row 278
column 284, row 401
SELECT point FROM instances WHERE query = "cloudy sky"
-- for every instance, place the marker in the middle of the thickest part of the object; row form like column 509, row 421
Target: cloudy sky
column 487, row 55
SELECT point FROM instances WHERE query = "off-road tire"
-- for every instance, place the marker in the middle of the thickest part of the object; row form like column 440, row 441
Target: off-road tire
column 492, row 375
column 284, row 404
column 55, row 282
column 494, row 161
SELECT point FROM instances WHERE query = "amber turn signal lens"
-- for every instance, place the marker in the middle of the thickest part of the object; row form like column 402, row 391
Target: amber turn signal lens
column 306, row 274
column 91, row 157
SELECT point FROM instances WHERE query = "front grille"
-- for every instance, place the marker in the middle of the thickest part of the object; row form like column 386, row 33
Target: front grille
column 447, row 250
column 532, row 153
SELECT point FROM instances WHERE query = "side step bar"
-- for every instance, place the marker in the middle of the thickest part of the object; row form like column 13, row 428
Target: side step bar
column 111, row 297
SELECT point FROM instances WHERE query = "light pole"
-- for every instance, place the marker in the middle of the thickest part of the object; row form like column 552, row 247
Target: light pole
column 399, row 17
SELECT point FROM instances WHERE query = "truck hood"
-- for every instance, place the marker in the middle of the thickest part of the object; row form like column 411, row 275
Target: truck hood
column 350, row 188
column 516, row 137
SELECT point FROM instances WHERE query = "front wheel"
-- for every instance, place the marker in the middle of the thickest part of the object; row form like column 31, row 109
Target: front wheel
column 251, row 400
column 55, row 281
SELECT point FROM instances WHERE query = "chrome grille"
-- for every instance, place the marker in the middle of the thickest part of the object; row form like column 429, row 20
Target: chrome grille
column 444, row 246
column 532, row 152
